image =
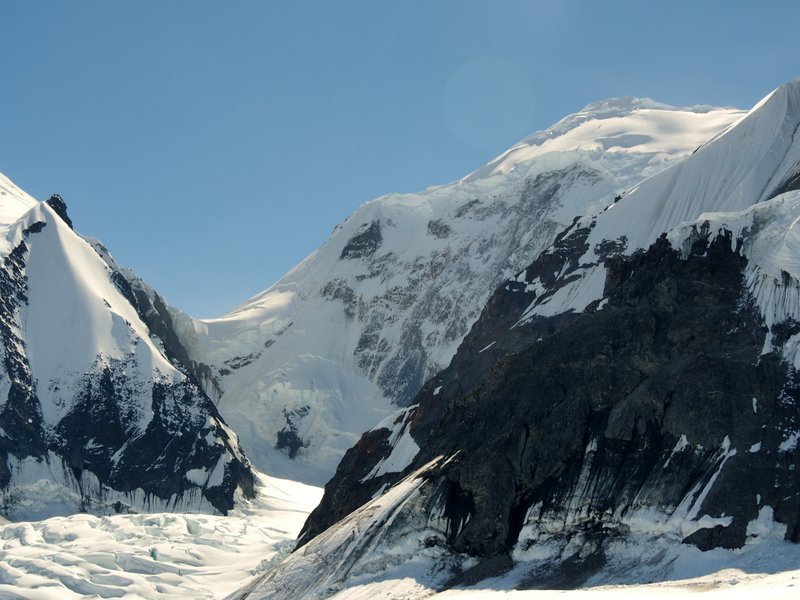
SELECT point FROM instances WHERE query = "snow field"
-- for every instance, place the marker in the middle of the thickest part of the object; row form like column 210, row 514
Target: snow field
column 153, row 556
column 725, row 584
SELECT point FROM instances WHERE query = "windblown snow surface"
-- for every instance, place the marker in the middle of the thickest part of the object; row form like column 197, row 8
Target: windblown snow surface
column 355, row 329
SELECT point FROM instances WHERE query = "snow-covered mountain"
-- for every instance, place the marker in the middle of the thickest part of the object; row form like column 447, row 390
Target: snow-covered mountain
column 95, row 413
column 624, row 409
column 353, row 332
column 623, row 404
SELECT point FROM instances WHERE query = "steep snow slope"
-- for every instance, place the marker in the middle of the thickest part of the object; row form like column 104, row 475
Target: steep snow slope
column 748, row 164
column 94, row 416
column 13, row 201
column 301, row 369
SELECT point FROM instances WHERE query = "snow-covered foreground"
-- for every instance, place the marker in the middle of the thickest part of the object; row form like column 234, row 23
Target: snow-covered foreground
column 153, row 555
column 162, row 556
column 770, row 568
column 724, row 584
column 202, row 556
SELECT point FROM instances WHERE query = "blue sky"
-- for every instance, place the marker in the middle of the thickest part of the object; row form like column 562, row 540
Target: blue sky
column 212, row 145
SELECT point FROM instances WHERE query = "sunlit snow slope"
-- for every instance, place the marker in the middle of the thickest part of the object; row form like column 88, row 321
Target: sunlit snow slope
column 354, row 330
column 13, row 201
column 726, row 183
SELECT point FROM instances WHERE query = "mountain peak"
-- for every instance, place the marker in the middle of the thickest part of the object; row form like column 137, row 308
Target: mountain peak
column 95, row 408
column 616, row 127
column 624, row 105
column 380, row 295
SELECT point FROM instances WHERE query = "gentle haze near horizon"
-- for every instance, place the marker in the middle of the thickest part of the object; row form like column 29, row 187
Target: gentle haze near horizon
column 212, row 146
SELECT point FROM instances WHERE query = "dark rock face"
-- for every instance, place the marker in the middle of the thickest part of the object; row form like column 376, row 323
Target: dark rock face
column 289, row 440
column 155, row 314
column 100, row 435
column 439, row 229
column 22, row 432
column 365, row 242
column 57, row 203
column 345, row 492
column 676, row 352
column 659, row 398
column 791, row 183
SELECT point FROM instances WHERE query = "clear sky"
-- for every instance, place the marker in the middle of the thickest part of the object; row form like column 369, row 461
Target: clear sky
column 212, row 145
